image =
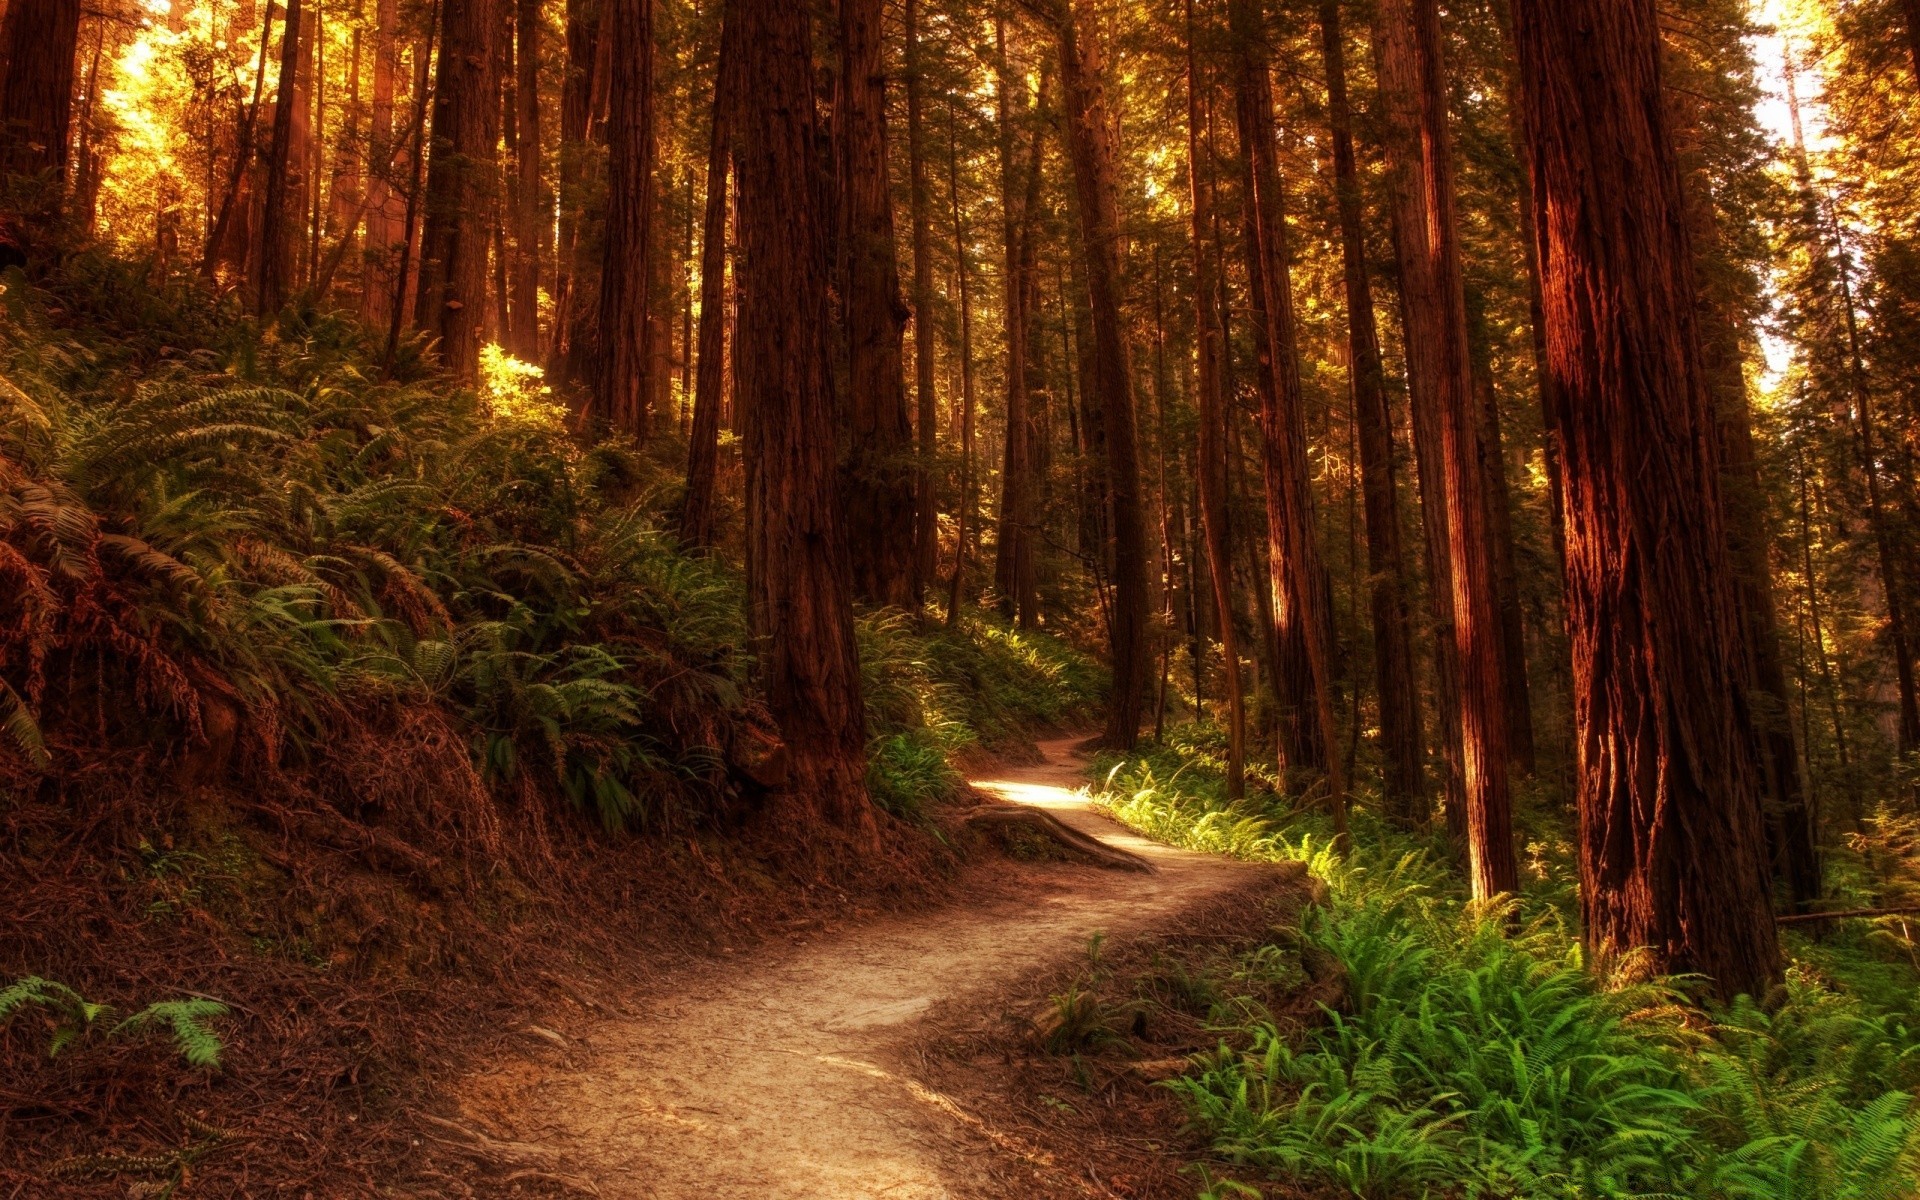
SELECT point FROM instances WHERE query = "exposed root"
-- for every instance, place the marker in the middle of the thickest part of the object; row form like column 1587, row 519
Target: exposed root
column 1033, row 820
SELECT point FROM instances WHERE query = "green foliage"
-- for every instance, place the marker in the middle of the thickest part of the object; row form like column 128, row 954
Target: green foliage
column 1470, row 1051
column 73, row 1017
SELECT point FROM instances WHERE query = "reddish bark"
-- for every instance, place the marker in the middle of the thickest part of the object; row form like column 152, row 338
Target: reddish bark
column 460, row 176
column 1209, row 337
column 1303, row 621
column 38, row 39
column 1014, row 561
column 525, row 299
column 926, row 535
column 1447, row 445
column 275, row 252
column 1090, row 146
column 622, row 391
column 1403, row 785
column 703, row 442
column 1671, row 850
column 798, row 586
column 877, row 483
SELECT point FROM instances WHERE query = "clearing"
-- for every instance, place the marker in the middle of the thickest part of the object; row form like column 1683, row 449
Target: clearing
column 790, row 1072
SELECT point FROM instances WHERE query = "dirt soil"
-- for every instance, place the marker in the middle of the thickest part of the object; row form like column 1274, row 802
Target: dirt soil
column 800, row 1071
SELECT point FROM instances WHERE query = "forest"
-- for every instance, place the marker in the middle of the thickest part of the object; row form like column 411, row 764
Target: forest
column 1357, row 557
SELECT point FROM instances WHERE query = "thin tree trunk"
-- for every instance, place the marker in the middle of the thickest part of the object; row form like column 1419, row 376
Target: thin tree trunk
column 798, row 574
column 276, row 245
column 1413, row 83
column 1209, row 340
column 1090, row 144
column 1672, row 854
column 1403, row 784
column 877, row 479
column 460, row 178
column 1303, row 625
column 966, row 506
column 622, row 391
column 417, row 160
column 1516, row 689
column 243, row 151
column 926, row 495
column 525, row 300
column 703, row 443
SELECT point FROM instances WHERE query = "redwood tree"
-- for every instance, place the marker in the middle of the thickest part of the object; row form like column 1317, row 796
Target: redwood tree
column 1209, row 337
column 1090, row 134
column 877, row 490
column 703, row 442
column 460, row 176
column 1402, row 784
column 1303, row 622
column 1446, row 430
column 1671, row 848
column 624, row 369
column 37, row 38
column 798, row 576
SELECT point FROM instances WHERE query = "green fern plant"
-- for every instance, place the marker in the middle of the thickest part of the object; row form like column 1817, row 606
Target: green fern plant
column 73, row 1018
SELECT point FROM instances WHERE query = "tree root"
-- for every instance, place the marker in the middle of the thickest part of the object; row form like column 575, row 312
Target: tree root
column 526, row 1160
column 1052, row 828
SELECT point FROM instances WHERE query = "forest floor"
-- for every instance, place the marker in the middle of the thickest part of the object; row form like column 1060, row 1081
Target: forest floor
column 816, row 1068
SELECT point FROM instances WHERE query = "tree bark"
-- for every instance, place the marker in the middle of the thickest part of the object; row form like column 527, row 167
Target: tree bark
column 622, row 393
column 798, row 573
column 1452, row 483
column 877, row 484
column 1019, row 205
column 1090, row 146
column 1209, row 340
column 1403, row 785
column 703, row 442
column 926, row 537
column 39, row 39
column 1303, row 624
column 1671, row 850
column 1515, row 687
column 460, row 176
column 966, row 503
column 525, row 301
column 276, row 244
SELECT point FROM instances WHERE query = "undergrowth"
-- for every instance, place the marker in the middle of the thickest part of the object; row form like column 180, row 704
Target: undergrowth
column 228, row 537
column 1470, row 1050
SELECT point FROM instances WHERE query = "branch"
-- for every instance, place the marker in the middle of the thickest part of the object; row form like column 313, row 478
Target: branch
column 1801, row 918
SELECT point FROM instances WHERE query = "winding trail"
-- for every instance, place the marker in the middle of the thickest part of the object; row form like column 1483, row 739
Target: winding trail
column 785, row 1074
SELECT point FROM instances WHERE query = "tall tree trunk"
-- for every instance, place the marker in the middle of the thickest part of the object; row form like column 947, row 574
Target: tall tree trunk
column 1303, row 619
column 926, row 537
column 1413, row 84
column 1210, row 401
column 703, row 443
column 382, row 161
column 1791, row 829
column 1090, row 146
column 276, row 243
column 966, row 505
column 460, row 177
column 877, row 487
column 1516, row 689
column 798, row 574
column 1015, row 563
column 1672, row 853
column 621, row 394
column 525, row 303
column 580, row 105
column 1403, row 785
column 39, row 39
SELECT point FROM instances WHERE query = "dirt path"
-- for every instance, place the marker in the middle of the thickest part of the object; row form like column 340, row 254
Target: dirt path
column 785, row 1076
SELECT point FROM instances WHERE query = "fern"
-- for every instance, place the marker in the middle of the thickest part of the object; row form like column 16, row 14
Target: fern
column 198, row 1044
